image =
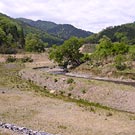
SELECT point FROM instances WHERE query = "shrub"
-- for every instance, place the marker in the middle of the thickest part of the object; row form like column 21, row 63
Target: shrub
column 70, row 88
column 109, row 114
column 70, row 80
column 62, row 92
column 83, row 91
column 26, row 59
column 69, row 94
column 55, row 80
column 119, row 62
column 11, row 59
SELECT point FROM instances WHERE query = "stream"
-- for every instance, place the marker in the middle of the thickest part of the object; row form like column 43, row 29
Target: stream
column 61, row 71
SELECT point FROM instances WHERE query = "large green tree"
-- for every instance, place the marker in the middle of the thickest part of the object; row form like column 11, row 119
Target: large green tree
column 68, row 53
column 104, row 48
column 33, row 43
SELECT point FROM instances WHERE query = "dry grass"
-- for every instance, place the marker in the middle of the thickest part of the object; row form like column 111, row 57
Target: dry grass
column 56, row 116
column 21, row 106
column 7, row 132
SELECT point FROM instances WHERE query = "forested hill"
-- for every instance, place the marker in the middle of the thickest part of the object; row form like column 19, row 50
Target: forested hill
column 66, row 31
column 42, row 25
column 11, row 34
column 14, row 32
column 63, row 31
column 124, row 32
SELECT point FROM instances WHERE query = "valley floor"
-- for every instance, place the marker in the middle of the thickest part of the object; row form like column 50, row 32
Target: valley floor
column 24, row 104
column 56, row 116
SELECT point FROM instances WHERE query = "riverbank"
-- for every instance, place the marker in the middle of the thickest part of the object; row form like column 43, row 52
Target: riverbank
column 110, row 94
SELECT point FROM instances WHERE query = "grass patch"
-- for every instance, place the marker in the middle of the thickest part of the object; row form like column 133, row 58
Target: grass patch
column 62, row 127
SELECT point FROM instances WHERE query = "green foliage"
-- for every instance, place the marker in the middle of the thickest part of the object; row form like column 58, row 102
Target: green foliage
column 55, row 80
column 107, row 52
column 86, row 57
column 119, row 62
column 34, row 43
column 120, row 36
column 11, row 35
column 23, row 60
column 56, row 54
column 120, row 48
column 68, row 53
column 107, row 49
column 26, row 59
column 70, row 80
column 63, row 31
column 66, row 31
column 104, row 48
column 10, row 59
column 83, row 90
column 132, row 52
column 120, row 33
column 92, row 39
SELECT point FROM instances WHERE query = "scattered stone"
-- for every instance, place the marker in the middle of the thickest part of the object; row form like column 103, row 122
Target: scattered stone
column 22, row 130
column 52, row 91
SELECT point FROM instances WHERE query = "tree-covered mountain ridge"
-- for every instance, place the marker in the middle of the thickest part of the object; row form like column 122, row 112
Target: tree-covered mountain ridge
column 64, row 31
column 13, row 35
column 125, row 32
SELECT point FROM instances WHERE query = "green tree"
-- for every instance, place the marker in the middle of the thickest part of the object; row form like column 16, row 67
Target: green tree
column 121, row 37
column 120, row 48
column 68, row 53
column 34, row 43
column 104, row 48
column 2, row 36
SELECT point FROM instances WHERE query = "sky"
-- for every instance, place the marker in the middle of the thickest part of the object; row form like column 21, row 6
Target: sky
column 90, row 15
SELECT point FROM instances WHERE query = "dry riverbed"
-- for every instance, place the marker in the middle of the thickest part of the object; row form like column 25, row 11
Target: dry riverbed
column 118, row 96
column 24, row 104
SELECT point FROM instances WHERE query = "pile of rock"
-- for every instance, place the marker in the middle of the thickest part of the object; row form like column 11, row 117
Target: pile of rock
column 21, row 130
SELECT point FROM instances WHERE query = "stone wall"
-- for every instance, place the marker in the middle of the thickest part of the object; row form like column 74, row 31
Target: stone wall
column 21, row 130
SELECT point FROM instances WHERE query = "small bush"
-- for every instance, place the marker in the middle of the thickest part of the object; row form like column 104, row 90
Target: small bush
column 83, row 91
column 62, row 127
column 109, row 114
column 69, row 94
column 70, row 80
column 70, row 88
column 26, row 59
column 62, row 92
column 11, row 59
column 55, row 80
column 119, row 62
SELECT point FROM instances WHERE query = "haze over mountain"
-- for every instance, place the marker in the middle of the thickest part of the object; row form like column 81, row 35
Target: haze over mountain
column 91, row 15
